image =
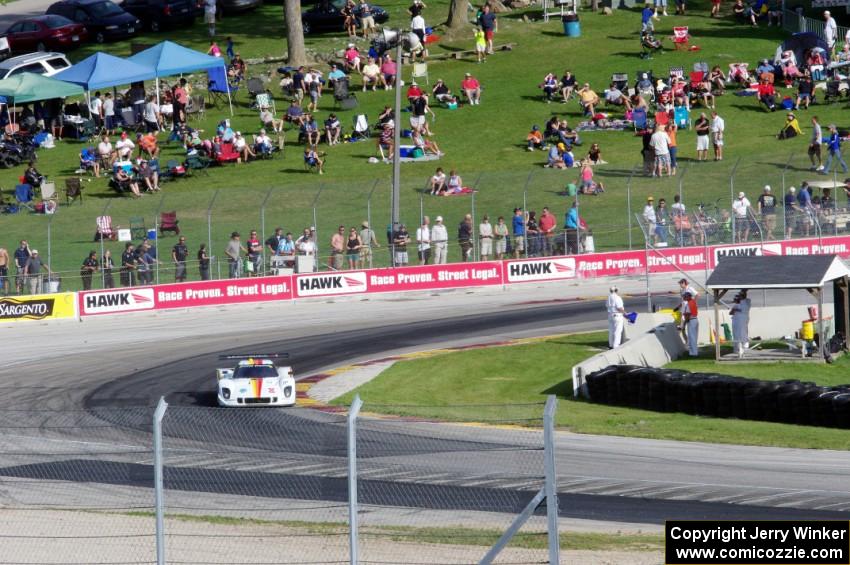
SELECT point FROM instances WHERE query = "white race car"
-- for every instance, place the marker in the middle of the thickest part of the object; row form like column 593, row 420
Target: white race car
column 256, row 381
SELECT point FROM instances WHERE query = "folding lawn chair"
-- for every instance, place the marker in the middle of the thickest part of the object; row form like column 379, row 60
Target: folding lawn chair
column 73, row 190
column 739, row 72
column 420, row 70
column 255, row 86
column 218, row 86
column 639, row 119
column 48, row 191
column 621, row 81
column 264, row 101
column 168, row 222
column 197, row 163
column 701, row 66
column 695, row 79
column 681, row 38
column 137, row 228
column 682, row 117
column 677, row 72
column 24, row 195
column 662, row 118
column 342, row 97
column 361, row 127
column 104, row 229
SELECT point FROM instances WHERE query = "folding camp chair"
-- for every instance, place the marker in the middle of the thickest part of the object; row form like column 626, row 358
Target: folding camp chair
column 264, row 101
column 48, row 191
column 226, row 154
column 342, row 97
column 649, row 45
column 197, row 163
column 23, row 195
column 218, row 86
column 104, row 229
column 681, row 38
column 662, row 118
column 682, row 117
column 621, row 81
column 130, row 121
column 168, row 222
column 645, row 91
column 361, row 127
column 701, row 66
column 255, row 86
column 695, row 79
column 639, row 119
column 196, row 107
column 419, row 70
column 739, row 72
column 137, row 228
column 73, row 190
column 677, row 72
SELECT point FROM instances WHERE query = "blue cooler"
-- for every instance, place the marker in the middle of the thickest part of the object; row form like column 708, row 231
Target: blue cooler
column 151, row 234
column 572, row 27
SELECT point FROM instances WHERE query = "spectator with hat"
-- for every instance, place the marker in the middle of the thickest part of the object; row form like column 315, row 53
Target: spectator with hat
column 472, row 89
column 741, row 208
column 833, row 146
column 439, row 241
column 767, row 208
column 367, row 242
column 233, row 252
column 650, row 218
column 535, row 139
column 616, row 317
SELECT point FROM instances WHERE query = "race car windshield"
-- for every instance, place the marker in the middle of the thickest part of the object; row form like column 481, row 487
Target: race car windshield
column 254, row 372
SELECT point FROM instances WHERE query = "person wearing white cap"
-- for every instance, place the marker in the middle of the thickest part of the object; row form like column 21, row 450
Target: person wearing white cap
column 790, row 210
column 616, row 318
column 767, row 208
column 718, row 128
column 741, row 208
column 439, row 241
column 32, row 270
column 472, row 88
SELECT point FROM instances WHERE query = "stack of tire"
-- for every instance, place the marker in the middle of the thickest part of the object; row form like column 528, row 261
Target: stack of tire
column 721, row 396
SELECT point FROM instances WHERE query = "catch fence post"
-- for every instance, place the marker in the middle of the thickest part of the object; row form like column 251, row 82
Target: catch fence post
column 551, row 486
column 628, row 204
column 159, row 494
column 353, row 411
column 209, row 232
column 263, row 225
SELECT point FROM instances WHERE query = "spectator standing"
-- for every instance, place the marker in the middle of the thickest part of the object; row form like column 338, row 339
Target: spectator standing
column 4, row 271
column 96, row 109
column 108, row 266
column 671, row 131
column 179, row 254
column 650, row 219
column 485, row 235
column 767, row 209
column 488, row 23
column 661, row 145
column 546, row 225
column 662, row 220
column 367, row 20
column 88, row 268
column 833, row 146
column 662, row 4
column 368, row 241
column 646, row 15
column 423, row 240
column 109, row 114
column 129, row 264
column 233, row 252
column 255, row 253
column 22, row 254
column 417, row 26
column 718, row 127
column 791, row 212
column 806, row 216
column 702, row 127
column 741, row 208
column 439, row 241
column 480, row 44
column 616, row 318
column 532, row 234
column 400, row 240
column 352, row 248
column 571, row 227
column 518, row 225
column 830, row 32
column 151, row 115
column 32, row 269
column 464, row 238
column 273, row 242
column 815, row 145
column 690, row 320
column 145, row 264
column 337, row 249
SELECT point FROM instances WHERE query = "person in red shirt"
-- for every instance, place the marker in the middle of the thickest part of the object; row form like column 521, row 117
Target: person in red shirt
column 767, row 94
column 690, row 320
column 472, row 88
column 546, row 225
column 413, row 92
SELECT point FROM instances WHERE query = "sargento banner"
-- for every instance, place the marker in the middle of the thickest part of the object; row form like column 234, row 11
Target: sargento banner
column 37, row 307
column 419, row 278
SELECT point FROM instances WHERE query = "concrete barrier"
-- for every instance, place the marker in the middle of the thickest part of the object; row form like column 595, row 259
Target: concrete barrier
column 655, row 348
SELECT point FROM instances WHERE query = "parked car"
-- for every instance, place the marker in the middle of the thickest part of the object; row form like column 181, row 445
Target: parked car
column 157, row 14
column 41, row 63
column 41, row 33
column 225, row 7
column 103, row 19
column 327, row 16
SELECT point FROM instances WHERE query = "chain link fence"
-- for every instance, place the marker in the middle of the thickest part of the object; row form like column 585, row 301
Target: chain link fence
column 196, row 484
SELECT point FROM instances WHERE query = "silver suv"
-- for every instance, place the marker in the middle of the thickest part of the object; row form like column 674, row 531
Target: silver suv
column 41, row 62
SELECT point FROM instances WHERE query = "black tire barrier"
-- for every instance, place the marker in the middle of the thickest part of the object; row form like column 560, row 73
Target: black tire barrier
column 723, row 396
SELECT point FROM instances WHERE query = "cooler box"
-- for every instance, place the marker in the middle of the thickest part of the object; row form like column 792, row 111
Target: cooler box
column 572, row 27
column 589, row 246
column 305, row 264
column 151, row 234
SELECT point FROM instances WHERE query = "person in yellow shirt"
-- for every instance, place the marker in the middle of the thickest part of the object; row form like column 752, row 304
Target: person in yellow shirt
column 480, row 44
column 791, row 127
column 588, row 99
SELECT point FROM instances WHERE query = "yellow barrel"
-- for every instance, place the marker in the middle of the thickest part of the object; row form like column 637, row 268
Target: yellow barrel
column 808, row 330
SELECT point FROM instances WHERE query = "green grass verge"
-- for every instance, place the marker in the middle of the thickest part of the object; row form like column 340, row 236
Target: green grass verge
column 511, row 382
column 484, row 143
column 586, row 541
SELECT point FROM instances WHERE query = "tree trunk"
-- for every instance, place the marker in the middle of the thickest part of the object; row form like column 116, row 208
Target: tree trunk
column 458, row 14
column 296, row 55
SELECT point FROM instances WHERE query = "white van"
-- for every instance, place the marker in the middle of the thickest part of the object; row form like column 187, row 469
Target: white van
column 41, row 62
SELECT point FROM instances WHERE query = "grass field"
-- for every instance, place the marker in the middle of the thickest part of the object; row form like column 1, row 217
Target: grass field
column 484, row 143
column 505, row 384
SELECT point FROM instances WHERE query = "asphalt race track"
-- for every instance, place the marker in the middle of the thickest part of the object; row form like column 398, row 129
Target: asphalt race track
column 600, row 478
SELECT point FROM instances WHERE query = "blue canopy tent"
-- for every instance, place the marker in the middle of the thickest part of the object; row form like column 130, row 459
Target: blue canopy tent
column 169, row 59
column 102, row 70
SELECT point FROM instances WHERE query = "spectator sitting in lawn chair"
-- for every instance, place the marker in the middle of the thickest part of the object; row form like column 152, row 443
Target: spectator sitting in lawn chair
column 616, row 97
column 717, row 80
column 240, row 145
column 371, row 73
column 295, row 114
column 123, row 181
column 385, row 141
column 549, row 86
column 88, row 161
column 649, row 44
column 588, row 99
column 744, row 13
column 313, row 159
column 263, row 144
column 805, row 88
column 442, row 93
column 766, row 71
column 310, row 133
column 269, row 121
column 767, row 95
column 32, row 177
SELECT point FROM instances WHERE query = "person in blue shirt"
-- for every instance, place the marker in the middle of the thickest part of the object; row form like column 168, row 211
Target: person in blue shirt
column 646, row 19
column 833, row 145
column 229, row 51
column 335, row 74
column 518, row 224
column 571, row 225
column 806, row 214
